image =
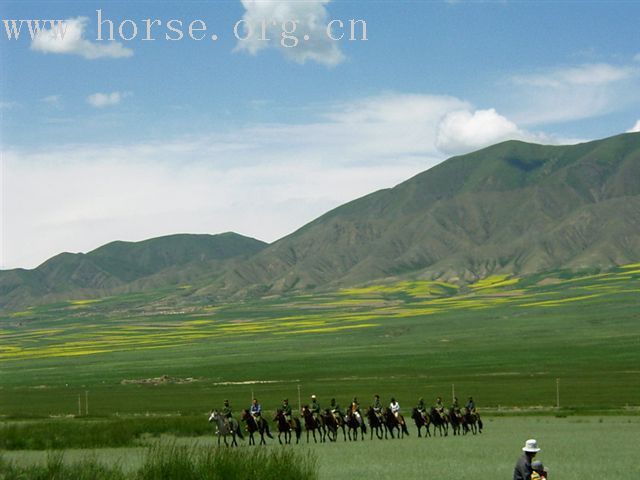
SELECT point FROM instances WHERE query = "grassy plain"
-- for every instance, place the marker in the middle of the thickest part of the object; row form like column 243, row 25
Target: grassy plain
column 503, row 340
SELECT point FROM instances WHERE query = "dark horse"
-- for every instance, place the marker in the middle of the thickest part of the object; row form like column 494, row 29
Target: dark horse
column 376, row 423
column 392, row 423
column 332, row 423
column 354, row 423
column 286, row 427
column 312, row 424
column 254, row 425
column 456, row 419
column 421, row 422
column 439, row 423
column 471, row 422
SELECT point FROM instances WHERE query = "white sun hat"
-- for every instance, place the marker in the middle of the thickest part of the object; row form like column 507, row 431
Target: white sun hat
column 531, row 446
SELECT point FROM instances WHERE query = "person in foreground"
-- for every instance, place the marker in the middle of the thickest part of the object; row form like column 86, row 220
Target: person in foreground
column 523, row 470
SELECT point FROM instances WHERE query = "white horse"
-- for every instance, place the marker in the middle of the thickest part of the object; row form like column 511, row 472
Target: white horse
column 226, row 427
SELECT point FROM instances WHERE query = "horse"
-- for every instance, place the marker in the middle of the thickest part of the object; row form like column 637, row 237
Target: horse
column 286, row 427
column 456, row 419
column 226, row 427
column 471, row 422
column 333, row 423
column 421, row 421
column 353, row 423
column 440, row 423
column 311, row 424
column 392, row 422
column 256, row 425
column 376, row 424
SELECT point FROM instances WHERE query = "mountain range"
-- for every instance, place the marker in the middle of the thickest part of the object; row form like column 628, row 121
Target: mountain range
column 514, row 207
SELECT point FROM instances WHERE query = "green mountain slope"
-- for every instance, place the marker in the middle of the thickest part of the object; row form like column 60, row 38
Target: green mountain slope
column 513, row 207
column 124, row 266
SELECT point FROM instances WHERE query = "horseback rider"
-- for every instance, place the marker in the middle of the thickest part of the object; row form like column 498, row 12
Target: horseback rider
column 455, row 407
column 355, row 410
column 439, row 407
column 471, row 407
column 255, row 409
column 226, row 410
column 286, row 409
column 335, row 409
column 377, row 406
column 315, row 407
column 422, row 408
column 395, row 409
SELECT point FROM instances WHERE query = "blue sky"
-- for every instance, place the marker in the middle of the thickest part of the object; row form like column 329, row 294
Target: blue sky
column 134, row 139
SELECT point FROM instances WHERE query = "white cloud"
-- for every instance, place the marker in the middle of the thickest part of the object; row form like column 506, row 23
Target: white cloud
column 311, row 17
column 8, row 105
column 100, row 100
column 53, row 100
column 635, row 128
column 572, row 93
column 463, row 130
column 73, row 42
column 588, row 74
column 261, row 180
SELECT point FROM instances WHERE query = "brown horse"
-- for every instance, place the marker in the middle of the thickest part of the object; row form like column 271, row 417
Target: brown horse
column 456, row 419
column 376, row 424
column 355, row 422
column 421, row 421
column 392, row 422
column 286, row 427
column 332, row 423
column 440, row 422
column 254, row 425
column 471, row 422
column 312, row 424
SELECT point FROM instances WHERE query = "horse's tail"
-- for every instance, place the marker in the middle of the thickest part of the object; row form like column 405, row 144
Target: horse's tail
column 404, row 428
column 239, row 431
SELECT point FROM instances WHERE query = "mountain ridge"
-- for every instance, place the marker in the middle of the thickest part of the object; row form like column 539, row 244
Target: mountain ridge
column 513, row 207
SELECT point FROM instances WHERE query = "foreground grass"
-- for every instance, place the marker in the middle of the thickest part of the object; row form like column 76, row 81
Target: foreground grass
column 575, row 448
column 114, row 432
column 175, row 462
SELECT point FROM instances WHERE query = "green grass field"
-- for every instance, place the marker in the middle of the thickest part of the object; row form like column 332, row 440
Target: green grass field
column 574, row 448
column 503, row 340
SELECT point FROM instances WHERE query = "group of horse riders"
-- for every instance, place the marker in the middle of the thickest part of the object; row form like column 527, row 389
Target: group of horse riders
column 354, row 409
column 470, row 407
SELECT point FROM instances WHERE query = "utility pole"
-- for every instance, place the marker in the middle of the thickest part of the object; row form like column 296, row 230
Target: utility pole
column 299, row 400
column 86, row 402
column 557, row 393
column 79, row 406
